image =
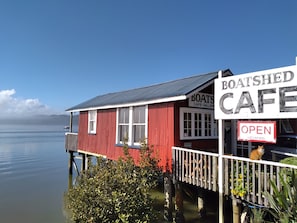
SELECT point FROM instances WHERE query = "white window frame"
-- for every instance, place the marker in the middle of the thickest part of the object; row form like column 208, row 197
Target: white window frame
column 207, row 130
column 92, row 121
column 131, row 141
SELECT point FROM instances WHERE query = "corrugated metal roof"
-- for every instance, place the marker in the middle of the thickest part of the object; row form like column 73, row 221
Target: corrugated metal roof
column 171, row 89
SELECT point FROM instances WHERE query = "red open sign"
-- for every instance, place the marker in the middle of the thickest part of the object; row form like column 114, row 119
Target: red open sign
column 256, row 131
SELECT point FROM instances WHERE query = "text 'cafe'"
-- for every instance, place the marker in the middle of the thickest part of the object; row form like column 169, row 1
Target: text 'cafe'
column 258, row 95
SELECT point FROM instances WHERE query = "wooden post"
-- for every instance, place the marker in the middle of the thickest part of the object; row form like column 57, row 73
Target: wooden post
column 83, row 162
column 179, row 205
column 87, row 162
column 168, row 206
column 234, row 137
column 220, row 165
column 71, row 122
column 70, row 179
column 200, row 204
column 70, row 162
column 236, row 207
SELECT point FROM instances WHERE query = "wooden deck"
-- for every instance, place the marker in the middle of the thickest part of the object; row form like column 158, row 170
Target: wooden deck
column 201, row 169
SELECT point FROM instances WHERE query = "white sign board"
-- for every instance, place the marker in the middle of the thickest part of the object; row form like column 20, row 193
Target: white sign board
column 259, row 95
column 256, row 131
column 201, row 100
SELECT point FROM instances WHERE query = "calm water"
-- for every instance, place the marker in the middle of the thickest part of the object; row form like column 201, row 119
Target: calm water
column 33, row 174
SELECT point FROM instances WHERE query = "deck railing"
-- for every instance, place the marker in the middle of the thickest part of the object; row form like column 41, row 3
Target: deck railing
column 242, row 177
column 71, row 141
column 196, row 167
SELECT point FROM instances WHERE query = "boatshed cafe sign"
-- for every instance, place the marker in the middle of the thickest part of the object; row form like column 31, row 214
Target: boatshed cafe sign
column 259, row 95
column 201, row 100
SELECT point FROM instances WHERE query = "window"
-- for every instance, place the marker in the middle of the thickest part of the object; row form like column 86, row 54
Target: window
column 92, row 121
column 132, row 124
column 197, row 123
column 138, row 124
column 123, row 124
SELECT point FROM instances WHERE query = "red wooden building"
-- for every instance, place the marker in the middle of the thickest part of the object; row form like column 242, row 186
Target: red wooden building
column 177, row 119
column 175, row 113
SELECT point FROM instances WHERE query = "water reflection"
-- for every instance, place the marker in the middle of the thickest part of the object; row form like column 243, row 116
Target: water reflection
column 33, row 173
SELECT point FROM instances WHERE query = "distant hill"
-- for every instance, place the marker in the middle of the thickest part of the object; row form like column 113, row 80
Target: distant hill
column 41, row 120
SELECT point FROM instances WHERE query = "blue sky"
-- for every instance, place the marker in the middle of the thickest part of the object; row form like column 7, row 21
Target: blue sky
column 55, row 54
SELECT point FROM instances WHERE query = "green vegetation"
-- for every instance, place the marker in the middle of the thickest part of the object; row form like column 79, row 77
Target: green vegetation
column 284, row 199
column 290, row 160
column 257, row 215
column 115, row 191
column 240, row 183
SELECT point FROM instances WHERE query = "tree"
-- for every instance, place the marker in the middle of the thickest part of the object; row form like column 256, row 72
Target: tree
column 115, row 191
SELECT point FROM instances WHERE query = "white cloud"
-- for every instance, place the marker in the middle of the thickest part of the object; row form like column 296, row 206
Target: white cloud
column 13, row 106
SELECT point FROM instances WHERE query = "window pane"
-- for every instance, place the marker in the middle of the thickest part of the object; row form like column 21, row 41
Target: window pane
column 207, row 125
column 200, row 124
column 215, row 130
column 196, row 124
column 139, row 114
column 124, row 115
column 91, row 126
column 139, row 133
column 92, row 115
column 187, row 124
column 123, row 132
column 92, row 119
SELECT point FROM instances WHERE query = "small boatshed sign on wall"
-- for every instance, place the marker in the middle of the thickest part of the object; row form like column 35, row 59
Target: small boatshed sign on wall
column 255, row 131
column 258, row 95
column 201, row 100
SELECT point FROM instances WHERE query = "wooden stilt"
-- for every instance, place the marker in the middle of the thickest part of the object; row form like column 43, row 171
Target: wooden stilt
column 70, row 179
column 70, row 163
column 201, row 204
column 236, row 207
column 83, row 162
column 71, row 122
column 179, row 203
column 168, row 206
column 87, row 162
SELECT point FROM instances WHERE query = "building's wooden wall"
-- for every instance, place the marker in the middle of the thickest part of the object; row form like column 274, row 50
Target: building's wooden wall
column 163, row 133
column 103, row 142
column 160, row 133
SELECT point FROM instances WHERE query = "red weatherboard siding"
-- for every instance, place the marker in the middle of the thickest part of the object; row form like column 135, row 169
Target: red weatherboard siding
column 103, row 142
column 161, row 131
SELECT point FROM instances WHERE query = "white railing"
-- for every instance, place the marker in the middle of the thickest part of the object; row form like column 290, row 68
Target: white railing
column 252, row 177
column 196, row 167
column 243, row 177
